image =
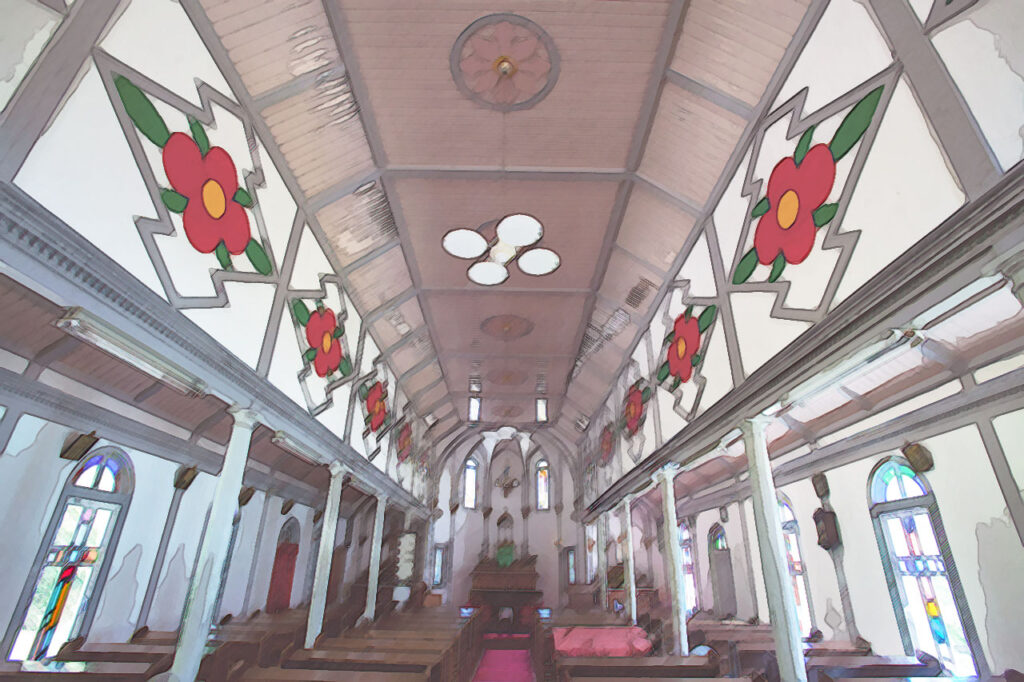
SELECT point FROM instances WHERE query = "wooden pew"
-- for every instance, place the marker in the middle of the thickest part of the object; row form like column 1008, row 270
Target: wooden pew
column 756, row 678
column 99, row 671
column 295, row 675
column 568, row 668
column 820, row 668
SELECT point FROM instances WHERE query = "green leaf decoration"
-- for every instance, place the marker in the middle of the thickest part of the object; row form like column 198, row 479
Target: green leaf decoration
column 663, row 372
column 778, row 265
column 223, row 256
column 645, row 394
column 695, row 359
column 824, row 213
column 760, row 208
column 142, row 112
column 675, row 384
column 173, row 201
column 745, row 268
column 803, row 145
column 243, row 197
column 345, row 367
column 301, row 313
column 706, row 318
column 199, row 135
column 338, row 332
column 689, row 312
column 669, row 338
column 364, row 391
column 855, row 124
column 258, row 257
column 310, row 354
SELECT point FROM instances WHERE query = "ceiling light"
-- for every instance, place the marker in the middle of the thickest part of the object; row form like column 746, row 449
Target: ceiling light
column 542, row 409
column 487, row 273
column 474, row 385
column 539, row 262
column 502, row 252
column 463, row 243
column 474, row 408
column 520, row 230
column 83, row 325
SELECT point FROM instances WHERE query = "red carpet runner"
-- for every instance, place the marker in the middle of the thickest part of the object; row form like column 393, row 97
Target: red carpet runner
column 504, row 665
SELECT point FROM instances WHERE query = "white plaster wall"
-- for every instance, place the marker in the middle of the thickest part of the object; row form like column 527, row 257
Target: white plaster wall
column 241, row 557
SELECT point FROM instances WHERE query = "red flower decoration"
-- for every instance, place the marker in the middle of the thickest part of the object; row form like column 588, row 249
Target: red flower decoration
column 404, row 443
column 634, row 409
column 607, row 443
column 375, row 406
column 685, row 342
column 794, row 192
column 320, row 332
column 209, row 183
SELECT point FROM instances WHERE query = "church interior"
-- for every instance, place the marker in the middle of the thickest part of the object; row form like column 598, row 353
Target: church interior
column 537, row 341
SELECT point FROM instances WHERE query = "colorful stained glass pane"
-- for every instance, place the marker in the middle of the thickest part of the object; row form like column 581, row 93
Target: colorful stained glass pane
column 542, row 485
column 87, row 477
column 68, row 523
column 98, row 531
column 107, row 481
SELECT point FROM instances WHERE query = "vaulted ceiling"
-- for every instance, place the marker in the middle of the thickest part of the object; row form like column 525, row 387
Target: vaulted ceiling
column 613, row 124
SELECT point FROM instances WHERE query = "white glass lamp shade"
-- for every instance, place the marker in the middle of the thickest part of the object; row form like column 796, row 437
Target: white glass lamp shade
column 463, row 243
column 487, row 273
column 539, row 262
column 519, row 230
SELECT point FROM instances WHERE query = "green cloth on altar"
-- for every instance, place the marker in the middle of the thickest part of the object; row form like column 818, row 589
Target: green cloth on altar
column 505, row 555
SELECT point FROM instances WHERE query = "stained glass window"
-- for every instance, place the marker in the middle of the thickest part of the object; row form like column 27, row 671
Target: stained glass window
column 570, row 559
column 71, row 561
column 469, row 485
column 797, row 573
column 438, row 565
column 716, row 538
column 689, row 568
column 919, row 566
column 543, row 485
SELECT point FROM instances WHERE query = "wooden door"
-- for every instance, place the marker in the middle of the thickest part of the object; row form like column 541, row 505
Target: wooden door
column 279, row 596
column 723, row 587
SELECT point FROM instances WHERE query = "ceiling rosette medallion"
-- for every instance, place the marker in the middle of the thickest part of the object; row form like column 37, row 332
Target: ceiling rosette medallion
column 504, row 62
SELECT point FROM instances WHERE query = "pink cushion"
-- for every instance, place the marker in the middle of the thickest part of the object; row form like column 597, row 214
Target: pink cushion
column 601, row 641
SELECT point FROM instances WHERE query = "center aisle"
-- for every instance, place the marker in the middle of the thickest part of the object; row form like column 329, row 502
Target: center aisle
column 505, row 665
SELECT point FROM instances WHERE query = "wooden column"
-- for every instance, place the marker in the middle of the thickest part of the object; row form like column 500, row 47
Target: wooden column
column 374, row 571
column 674, row 559
column 325, row 553
column 629, row 574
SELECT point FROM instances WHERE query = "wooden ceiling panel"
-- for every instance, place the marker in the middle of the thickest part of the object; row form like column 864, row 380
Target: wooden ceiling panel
column 654, row 229
column 358, row 223
column 690, row 142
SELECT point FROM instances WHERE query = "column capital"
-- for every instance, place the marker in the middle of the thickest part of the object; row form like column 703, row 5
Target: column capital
column 758, row 421
column 338, row 469
column 669, row 470
column 244, row 417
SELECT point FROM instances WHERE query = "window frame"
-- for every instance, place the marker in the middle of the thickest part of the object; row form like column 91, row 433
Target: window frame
column 442, row 548
column 470, row 463
column 793, row 527
column 120, row 496
column 929, row 505
column 538, row 465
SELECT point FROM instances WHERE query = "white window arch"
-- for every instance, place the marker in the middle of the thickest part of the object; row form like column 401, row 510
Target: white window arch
column 689, row 567
column 469, row 483
column 60, row 597
column 542, row 480
column 924, row 585
column 797, row 570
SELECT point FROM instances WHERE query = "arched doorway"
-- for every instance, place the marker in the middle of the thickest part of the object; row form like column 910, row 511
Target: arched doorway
column 279, row 595
column 723, row 586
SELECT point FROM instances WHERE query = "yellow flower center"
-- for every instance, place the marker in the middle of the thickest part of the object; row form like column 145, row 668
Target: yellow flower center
column 789, row 204
column 327, row 340
column 378, row 407
column 213, row 199
column 630, row 410
column 681, row 348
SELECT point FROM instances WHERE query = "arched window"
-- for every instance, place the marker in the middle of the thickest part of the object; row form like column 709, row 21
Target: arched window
column 919, row 568
column 797, row 574
column 59, row 601
column 469, row 485
column 543, row 478
column 716, row 538
column 689, row 567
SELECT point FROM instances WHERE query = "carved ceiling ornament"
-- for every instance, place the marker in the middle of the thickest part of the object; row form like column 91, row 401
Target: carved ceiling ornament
column 504, row 62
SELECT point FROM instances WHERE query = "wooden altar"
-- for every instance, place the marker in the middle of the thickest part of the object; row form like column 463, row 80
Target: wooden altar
column 513, row 586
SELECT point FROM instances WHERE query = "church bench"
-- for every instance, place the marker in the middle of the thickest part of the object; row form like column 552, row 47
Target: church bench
column 296, row 674
column 820, row 668
column 377, row 644
column 827, row 678
column 315, row 659
column 757, row 678
column 835, row 648
column 100, row 671
column 635, row 666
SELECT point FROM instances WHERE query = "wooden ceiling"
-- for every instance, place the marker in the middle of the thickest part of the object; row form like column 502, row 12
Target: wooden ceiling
column 618, row 161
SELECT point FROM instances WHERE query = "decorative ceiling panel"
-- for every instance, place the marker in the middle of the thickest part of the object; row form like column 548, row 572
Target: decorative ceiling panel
column 690, row 142
column 379, row 280
column 396, row 324
column 605, row 54
column 414, row 383
column 734, row 45
column 654, row 229
column 629, row 282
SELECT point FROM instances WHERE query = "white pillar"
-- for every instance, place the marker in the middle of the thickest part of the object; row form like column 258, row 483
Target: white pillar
column 318, row 600
column 629, row 574
column 202, row 591
column 602, row 559
column 674, row 568
column 378, row 536
column 768, row 524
